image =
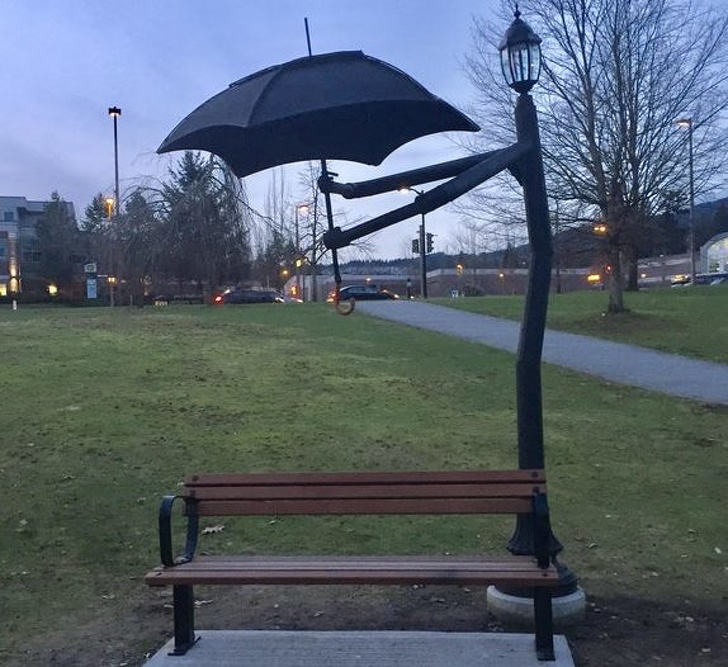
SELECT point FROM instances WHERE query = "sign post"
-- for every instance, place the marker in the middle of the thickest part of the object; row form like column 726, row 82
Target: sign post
column 91, row 287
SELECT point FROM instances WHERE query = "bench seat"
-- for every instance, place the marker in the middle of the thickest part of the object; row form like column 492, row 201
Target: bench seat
column 373, row 570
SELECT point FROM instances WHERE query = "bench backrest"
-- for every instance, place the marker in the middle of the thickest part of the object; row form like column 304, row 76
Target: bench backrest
column 471, row 492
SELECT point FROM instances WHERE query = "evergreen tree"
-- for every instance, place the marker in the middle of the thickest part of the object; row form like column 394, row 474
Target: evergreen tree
column 59, row 242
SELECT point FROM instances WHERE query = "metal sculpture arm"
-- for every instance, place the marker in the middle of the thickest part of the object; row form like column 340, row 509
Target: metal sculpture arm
column 469, row 173
column 376, row 186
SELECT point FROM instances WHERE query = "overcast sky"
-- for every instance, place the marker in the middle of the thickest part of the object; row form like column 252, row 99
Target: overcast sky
column 64, row 62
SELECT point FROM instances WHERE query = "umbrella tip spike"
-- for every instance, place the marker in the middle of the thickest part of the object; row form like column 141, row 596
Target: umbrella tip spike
column 308, row 35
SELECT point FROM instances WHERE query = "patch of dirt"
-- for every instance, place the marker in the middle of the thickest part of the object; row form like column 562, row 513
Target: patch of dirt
column 616, row 632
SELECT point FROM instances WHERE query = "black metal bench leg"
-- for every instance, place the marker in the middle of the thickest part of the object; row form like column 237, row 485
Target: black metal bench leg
column 184, row 619
column 544, row 624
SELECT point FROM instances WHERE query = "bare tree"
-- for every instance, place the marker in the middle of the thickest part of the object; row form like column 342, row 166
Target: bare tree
column 314, row 224
column 273, row 229
column 617, row 76
column 136, row 245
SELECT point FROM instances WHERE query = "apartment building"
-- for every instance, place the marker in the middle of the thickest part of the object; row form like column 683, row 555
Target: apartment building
column 20, row 255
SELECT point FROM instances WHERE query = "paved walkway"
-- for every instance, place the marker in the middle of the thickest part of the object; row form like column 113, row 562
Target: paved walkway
column 616, row 362
column 280, row 648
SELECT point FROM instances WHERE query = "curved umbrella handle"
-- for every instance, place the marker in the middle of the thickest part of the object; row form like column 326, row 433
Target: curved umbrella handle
column 347, row 309
column 343, row 309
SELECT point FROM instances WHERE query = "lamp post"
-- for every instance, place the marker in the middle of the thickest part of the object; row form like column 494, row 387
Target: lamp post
column 114, row 112
column 423, row 250
column 688, row 122
column 520, row 52
column 300, row 208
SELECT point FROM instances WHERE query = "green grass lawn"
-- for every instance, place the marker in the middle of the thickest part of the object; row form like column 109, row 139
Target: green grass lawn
column 106, row 410
column 689, row 321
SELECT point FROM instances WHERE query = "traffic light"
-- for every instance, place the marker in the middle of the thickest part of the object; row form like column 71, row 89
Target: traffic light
column 416, row 246
column 428, row 243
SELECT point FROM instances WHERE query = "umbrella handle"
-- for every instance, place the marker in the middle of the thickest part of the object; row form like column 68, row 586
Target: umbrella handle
column 343, row 309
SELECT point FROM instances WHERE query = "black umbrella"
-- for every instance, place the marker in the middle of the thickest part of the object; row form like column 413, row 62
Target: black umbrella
column 344, row 105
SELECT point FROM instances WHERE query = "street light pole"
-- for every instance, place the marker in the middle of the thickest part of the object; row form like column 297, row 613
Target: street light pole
column 302, row 208
column 114, row 112
column 423, row 260
column 688, row 122
column 423, row 249
column 521, row 64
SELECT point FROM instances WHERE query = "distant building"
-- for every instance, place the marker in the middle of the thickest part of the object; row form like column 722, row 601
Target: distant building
column 461, row 280
column 20, row 254
column 714, row 254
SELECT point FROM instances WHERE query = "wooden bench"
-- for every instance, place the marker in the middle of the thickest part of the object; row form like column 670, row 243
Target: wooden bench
column 355, row 493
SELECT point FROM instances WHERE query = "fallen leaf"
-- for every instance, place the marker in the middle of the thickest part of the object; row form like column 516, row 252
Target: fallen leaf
column 213, row 529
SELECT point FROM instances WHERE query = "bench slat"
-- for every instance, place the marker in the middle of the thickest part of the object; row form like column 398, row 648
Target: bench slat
column 357, row 478
column 404, row 570
column 365, row 506
column 258, row 491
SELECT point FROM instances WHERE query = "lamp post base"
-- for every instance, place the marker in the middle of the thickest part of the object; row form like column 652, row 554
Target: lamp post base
column 518, row 611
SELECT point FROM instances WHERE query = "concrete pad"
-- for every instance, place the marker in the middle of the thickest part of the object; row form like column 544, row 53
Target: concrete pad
column 285, row 648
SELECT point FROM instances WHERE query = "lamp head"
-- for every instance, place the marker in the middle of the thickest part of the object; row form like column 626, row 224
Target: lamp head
column 114, row 111
column 520, row 51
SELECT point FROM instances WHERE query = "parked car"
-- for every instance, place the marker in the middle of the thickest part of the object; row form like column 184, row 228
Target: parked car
column 248, row 296
column 700, row 279
column 363, row 293
column 680, row 281
column 166, row 299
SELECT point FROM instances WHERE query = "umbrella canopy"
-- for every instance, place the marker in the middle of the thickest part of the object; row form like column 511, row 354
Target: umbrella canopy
column 344, row 105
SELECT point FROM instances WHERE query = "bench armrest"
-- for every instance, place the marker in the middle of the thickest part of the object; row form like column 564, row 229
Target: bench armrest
column 165, row 531
column 541, row 529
